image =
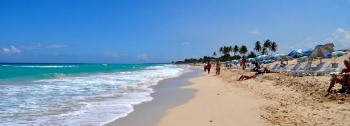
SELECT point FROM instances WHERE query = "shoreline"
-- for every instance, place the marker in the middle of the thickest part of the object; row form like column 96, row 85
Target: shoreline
column 270, row 99
column 167, row 95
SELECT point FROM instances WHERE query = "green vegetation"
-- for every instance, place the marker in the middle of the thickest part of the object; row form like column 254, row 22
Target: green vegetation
column 238, row 52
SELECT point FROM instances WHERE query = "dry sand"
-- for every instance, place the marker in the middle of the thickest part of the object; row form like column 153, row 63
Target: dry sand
column 216, row 104
column 271, row 99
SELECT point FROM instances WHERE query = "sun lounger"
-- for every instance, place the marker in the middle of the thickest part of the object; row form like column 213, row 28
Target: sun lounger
column 282, row 68
column 323, row 69
column 295, row 68
column 305, row 69
column 336, row 68
column 250, row 67
column 275, row 67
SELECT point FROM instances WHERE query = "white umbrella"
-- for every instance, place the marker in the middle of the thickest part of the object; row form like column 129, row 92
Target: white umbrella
column 321, row 50
column 296, row 52
column 262, row 57
column 280, row 56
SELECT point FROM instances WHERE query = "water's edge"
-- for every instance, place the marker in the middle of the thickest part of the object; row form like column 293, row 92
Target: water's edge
column 167, row 95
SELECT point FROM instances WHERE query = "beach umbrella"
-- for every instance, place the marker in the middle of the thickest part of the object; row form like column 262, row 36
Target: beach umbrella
column 289, row 58
column 267, row 61
column 306, row 52
column 262, row 57
column 234, row 61
column 321, row 50
column 302, row 59
column 280, row 57
column 334, row 54
column 296, row 52
column 250, row 60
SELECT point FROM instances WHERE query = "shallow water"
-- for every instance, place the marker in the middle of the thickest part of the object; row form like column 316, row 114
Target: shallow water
column 76, row 94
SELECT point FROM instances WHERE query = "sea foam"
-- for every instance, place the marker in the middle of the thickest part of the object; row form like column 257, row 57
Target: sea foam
column 90, row 99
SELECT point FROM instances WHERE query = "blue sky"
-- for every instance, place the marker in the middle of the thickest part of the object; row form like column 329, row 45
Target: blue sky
column 144, row 31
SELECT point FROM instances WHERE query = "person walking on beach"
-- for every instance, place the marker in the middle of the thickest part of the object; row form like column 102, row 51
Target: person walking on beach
column 208, row 67
column 244, row 62
column 218, row 65
column 343, row 78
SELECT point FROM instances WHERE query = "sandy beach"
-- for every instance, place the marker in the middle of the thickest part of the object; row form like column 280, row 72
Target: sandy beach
column 216, row 103
column 271, row 99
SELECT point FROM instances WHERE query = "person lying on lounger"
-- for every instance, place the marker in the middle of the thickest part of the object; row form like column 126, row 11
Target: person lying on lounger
column 342, row 78
column 266, row 70
column 246, row 77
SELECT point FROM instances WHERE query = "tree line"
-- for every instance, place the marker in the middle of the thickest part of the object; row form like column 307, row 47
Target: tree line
column 238, row 52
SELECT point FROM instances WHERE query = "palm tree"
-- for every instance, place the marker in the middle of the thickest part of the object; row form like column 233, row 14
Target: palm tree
column 235, row 49
column 226, row 51
column 214, row 54
column 274, row 47
column 257, row 47
column 264, row 51
column 251, row 54
column 267, row 45
column 243, row 50
column 221, row 50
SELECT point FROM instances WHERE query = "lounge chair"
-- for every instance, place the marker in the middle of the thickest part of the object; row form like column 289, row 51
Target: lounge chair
column 305, row 69
column 283, row 68
column 323, row 69
column 250, row 67
column 275, row 67
column 336, row 68
column 295, row 68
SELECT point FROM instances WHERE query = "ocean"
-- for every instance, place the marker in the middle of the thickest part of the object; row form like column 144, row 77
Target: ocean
column 76, row 94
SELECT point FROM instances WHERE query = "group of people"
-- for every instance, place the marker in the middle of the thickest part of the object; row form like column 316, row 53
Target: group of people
column 207, row 67
column 256, row 69
column 342, row 78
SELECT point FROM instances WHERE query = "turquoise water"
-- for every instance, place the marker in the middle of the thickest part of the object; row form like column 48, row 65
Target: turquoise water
column 40, row 71
column 76, row 94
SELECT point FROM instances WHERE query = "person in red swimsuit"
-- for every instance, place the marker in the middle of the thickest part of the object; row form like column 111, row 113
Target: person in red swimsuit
column 208, row 67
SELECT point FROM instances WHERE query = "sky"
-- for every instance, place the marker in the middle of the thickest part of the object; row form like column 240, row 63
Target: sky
column 157, row 31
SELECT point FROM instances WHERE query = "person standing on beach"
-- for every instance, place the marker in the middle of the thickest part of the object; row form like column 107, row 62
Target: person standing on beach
column 244, row 62
column 218, row 65
column 208, row 67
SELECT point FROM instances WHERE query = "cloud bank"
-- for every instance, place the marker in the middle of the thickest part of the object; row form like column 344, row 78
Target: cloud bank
column 255, row 32
column 142, row 56
column 11, row 50
column 43, row 46
column 340, row 38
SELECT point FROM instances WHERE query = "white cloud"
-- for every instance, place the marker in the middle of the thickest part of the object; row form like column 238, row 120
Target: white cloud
column 308, row 38
column 340, row 38
column 112, row 54
column 142, row 56
column 185, row 43
column 255, row 32
column 44, row 46
column 11, row 50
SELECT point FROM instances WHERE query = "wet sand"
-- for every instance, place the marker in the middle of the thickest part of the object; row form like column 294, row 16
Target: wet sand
column 167, row 95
